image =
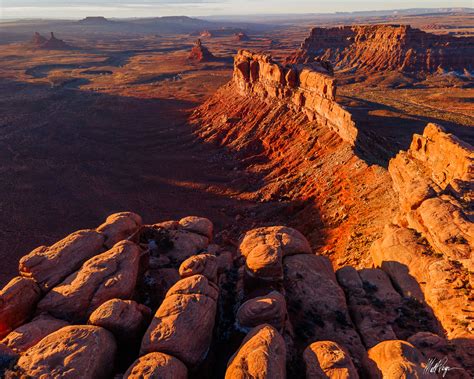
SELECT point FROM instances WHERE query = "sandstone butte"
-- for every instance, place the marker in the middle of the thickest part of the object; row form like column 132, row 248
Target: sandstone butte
column 200, row 53
column 379, row 48
column 129, row 300
column 53, row 43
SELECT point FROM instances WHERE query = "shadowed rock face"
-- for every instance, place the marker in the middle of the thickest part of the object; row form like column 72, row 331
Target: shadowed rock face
column 378, row 48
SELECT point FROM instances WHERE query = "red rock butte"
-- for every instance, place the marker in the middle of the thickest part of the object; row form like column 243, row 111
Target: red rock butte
column 379, row 48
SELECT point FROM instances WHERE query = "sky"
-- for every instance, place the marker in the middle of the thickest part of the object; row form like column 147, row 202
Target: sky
column 74, row 9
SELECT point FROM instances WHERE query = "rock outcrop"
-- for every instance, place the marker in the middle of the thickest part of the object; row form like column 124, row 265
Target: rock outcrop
column 379, row 48
column 109, row 275
column 18, row 300
column 48, row 266
column 326, row 359
column 29, row 334
column 157, row 365
column 54, row 43
column 37, row 40
column 269, row 307
column 183, row 324
column 311, row 90
column 399, row 359
column 427, row 249
column 200, row 53
column 71, row 352
column 261, row 355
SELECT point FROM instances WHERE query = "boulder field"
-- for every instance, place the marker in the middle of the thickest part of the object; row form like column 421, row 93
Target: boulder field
column 129, row 300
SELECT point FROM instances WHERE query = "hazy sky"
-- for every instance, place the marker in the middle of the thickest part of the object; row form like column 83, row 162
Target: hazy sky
column 155, row 8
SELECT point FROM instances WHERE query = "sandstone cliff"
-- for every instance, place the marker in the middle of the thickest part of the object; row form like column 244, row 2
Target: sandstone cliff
column 200, row 53
column 378, row 48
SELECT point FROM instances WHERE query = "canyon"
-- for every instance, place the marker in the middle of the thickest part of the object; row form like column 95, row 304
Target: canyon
column 277, row 224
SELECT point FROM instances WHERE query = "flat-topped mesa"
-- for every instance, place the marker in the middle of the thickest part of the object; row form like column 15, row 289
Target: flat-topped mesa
column 376, row 48
column 311, row 90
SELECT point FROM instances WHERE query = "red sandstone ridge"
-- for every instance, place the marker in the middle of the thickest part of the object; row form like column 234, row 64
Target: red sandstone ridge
column 200, row 53
column 376, row 48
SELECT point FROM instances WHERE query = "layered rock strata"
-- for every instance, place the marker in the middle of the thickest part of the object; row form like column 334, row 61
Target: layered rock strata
column 311, row 90
column 379, row 48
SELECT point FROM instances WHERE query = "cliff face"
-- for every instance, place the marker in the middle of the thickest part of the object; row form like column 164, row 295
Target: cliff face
column 286, row 127
column 309, row 90
column 376, row 48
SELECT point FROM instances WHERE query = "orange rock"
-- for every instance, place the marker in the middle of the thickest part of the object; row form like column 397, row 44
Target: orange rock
column 421, row 274
column 372, row 324
column 71, row 352
column 326, row 359
column 29, row 334
column 112, row 274
column 204, row 264
column 399, row 359
column 18, row 300
column 183, row 324
column 124, row 318
column 308, row 281
column 382, row 48
column 199, row 225
column 157, row 365
column 186, row 244
column 119, row 226
column 269, row 309
column 262, row 355
column 48, row 266
column 264, row 249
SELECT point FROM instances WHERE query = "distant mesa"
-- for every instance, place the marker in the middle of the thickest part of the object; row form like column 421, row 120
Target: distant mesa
column 94, row 20
column 53, row 43
column 200, row 53
column 381, row 48
column 241, row 36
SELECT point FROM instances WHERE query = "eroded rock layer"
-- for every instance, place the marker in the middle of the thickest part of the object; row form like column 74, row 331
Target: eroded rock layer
column 378, row 48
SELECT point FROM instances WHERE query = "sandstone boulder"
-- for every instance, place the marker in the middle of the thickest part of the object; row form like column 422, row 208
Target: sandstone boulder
column 399, row 359
column 29, row 334
column 124, row 318
column 308, row 281
column 48, row 266
column 261, row 355
column 198, row 225
column 119, row 226
column 157, row 366
column 18, row 300
column 71, row 352
column 365, row 308
column 204, row 264
column 186, row 244
column 269, row 309
column 264, row 249
column 112, row 274
column 183, row 324
column 326, row 359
